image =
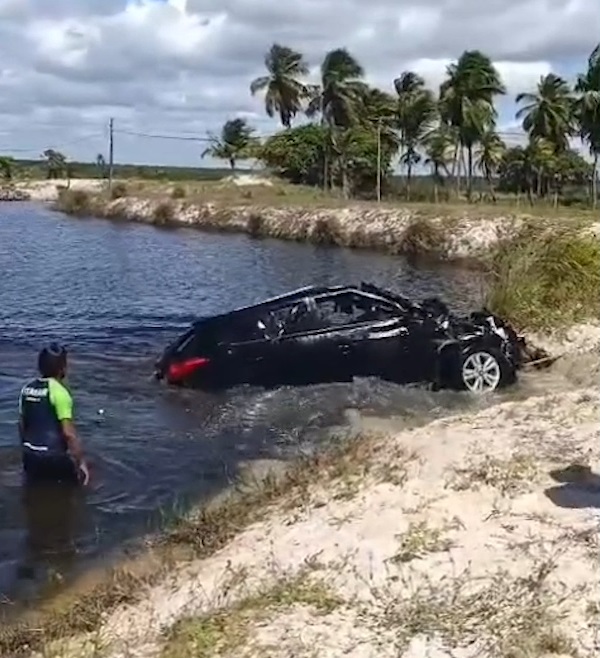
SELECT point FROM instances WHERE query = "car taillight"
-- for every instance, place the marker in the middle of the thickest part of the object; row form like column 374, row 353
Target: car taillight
column 179, row 371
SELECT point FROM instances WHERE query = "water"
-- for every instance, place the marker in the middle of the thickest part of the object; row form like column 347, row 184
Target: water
column 115, row 293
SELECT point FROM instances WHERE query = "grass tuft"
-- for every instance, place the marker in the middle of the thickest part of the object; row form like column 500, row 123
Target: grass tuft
column 510, row 476
column 74, row 202
column 178, row 192
column 346, row 464
column 82, row 615
column 419, row 540
column 118, row 191
column 546, row 280
column 224, row 631
column 164, row 214
column 504, row 617
column 422, row 236
column 255, row 225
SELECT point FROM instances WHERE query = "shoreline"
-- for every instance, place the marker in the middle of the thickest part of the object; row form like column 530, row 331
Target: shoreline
column 330, row 543
column 464, row 236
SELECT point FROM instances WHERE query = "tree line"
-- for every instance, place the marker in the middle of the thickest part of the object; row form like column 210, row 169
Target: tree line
column 355, row 131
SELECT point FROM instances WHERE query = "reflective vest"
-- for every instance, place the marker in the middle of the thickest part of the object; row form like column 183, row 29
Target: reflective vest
column 42, row 430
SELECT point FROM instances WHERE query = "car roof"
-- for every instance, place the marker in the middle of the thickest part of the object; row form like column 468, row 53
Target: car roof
column 364, row 289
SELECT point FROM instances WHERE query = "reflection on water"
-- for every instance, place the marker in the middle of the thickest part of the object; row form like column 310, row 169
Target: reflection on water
column 115, row 293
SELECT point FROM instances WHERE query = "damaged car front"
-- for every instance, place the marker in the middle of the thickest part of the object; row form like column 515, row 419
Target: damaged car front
column 479, row 351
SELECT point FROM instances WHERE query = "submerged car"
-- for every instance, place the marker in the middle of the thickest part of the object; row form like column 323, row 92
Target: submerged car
column 333, row 334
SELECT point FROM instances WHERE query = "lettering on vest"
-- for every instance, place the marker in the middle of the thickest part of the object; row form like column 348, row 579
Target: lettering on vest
column 32, row 394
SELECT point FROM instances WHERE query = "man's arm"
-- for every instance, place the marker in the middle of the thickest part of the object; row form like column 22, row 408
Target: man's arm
column 63, row 405
column 21, row 422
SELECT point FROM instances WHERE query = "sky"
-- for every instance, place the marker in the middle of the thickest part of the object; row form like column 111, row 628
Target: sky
column 182, row 67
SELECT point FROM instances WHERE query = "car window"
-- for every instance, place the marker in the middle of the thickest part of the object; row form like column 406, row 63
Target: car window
column 350, row 308
column 292, row 319
column 243, row 329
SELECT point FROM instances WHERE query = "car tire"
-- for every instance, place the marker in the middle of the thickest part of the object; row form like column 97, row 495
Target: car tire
column 479, row 370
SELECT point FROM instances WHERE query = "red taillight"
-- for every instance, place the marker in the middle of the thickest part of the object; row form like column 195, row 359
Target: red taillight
column 179, row 371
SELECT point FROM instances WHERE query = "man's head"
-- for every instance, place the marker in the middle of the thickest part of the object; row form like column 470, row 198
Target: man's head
column 52, row 361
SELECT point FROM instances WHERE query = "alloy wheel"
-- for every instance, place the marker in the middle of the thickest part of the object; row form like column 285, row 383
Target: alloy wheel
column 481, row 372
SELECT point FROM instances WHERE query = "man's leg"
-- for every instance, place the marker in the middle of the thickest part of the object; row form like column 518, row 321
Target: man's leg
column 40, row 468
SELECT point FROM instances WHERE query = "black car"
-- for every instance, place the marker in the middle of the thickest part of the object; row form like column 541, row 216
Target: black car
column 333, row 334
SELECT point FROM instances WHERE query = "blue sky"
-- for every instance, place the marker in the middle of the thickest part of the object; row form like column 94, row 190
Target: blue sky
column 182, row 67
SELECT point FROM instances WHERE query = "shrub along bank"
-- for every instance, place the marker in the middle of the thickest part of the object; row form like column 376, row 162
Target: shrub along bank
column 546, row 281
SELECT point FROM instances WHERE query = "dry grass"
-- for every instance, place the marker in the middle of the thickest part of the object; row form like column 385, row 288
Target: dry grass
column 502, row 616
column 82, row 615
column 347, row 462
column 281, row 193
column 164, row 214
column 547, row 280
column 227, row 630
column 510, row 476
column 343, row 469
column 422, row 236
column 421, row 539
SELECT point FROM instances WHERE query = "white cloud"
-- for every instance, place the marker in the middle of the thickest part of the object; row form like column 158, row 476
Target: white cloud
column 184, row 66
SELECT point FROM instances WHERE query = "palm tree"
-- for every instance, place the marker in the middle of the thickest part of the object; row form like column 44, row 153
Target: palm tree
column 438, row 145
column 548, row 113
column 467, row 103
column 489, row 157
column 340, row 93
column 6, row 167
column 415, row 114
column 588, row 113
column 101, row 164
column 235, row 142
column 540, row 161
column 56, row 163
column 284, row 92
column 338, row 100
column 378, row 112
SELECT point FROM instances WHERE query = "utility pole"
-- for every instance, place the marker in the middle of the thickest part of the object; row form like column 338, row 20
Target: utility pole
column 110, row 152
column 379, row 160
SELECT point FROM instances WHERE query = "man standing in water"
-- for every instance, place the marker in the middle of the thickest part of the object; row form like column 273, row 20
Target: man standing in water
column 51, row 449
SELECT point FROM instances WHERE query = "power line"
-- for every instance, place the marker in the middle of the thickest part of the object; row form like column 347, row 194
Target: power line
column 56, row 147
column 111, row 144
column 198, row 138
column 183, row 138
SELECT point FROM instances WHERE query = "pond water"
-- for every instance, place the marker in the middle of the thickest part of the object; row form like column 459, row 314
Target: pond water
column 115, row 293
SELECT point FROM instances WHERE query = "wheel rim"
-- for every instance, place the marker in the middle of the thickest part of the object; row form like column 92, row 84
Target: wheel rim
column 481, row 372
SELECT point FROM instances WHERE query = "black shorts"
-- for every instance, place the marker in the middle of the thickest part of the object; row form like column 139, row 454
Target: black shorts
column 44, row 468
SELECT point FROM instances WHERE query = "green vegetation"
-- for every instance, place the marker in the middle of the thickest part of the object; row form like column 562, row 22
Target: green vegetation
column 39, row 170
column 227, row 630
column 235, row 143
column 360, row 129
column 356, row 134
column 550, row 279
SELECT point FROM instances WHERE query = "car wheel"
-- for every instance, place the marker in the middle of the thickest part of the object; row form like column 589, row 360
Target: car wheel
column 483, row 371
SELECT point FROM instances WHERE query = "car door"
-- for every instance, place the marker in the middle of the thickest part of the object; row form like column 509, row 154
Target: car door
column 310, row 357
column 385, row 351
column 244, row 353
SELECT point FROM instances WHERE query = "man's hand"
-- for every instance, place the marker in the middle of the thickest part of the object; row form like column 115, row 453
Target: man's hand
column 83, row 467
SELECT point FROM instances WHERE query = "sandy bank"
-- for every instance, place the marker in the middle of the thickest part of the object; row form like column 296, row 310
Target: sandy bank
column 473, row 536
column 465, row 234
column 47, row 191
